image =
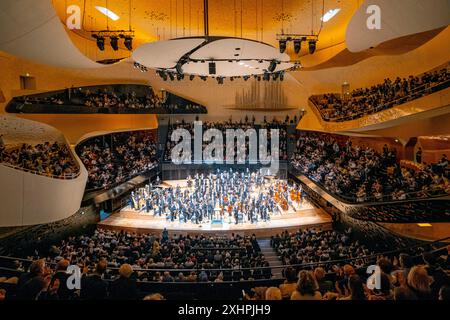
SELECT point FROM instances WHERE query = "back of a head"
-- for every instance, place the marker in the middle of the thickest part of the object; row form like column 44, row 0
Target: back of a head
column 100, row 268
column 418, row 279
column 273, row 293
column 154, row 296
column 306, row 283
column 125, row 270
column 349, row 270
column 62, row 265
column 37, row 267
column 319, row 273
column 290, row 275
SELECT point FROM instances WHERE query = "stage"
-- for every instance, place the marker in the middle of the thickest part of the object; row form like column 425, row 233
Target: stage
column 301, row 215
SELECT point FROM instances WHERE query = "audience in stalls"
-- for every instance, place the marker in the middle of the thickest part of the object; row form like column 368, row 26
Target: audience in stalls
column 245, row 125
column 362, row 174
column 135, row 255
column 49, row 159
column 313, row 245
column 107, row 98
column 113, row 158
column 380, row 97
column 402, row 277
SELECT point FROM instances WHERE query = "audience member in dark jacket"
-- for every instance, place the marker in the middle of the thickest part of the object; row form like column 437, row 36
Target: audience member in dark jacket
column 124, row 287
column 93, row 287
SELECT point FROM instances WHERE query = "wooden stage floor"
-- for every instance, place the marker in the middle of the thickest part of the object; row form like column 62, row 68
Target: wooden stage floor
column 306, row 215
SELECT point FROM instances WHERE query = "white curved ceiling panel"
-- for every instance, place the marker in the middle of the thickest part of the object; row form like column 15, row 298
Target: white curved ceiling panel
column 32, row 30
column 164, row 54
column 398, row 18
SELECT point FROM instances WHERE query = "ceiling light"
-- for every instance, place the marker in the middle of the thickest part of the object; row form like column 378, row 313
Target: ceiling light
column 312, row 46
column 330, row 14
column 297, row 46
column 100, row 41
column 272, row 66
column 114, row 41
column 107, row 13
column 128, row 42
column 282, row 46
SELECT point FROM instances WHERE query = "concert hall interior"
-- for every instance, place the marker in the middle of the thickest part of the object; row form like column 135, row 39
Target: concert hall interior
column 224, row 150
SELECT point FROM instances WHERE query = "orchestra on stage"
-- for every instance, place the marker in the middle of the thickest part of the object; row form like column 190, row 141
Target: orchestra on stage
column 223, row 196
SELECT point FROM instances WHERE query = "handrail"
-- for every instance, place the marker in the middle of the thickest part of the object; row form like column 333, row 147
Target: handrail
column 303, row 266
column 381, row 107
column 65, row 176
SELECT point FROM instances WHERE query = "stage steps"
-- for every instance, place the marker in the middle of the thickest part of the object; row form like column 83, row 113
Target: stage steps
column 271, row 256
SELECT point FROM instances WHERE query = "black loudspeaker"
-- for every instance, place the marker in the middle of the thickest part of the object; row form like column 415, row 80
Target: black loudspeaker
column 212, row 68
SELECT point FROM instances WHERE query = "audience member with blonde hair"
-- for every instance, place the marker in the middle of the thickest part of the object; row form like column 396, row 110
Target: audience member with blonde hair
column 154, row 297
column 273, row 293
column 419, row 282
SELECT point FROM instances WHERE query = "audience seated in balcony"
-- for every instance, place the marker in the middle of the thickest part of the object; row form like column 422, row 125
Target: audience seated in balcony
column 361, row 174
column 380, row 97
column 116, row 157
column 106, row 98
column 49, row 159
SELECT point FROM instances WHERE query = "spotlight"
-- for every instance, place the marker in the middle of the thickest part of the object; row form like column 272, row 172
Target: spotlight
column 203, row 78
column 312, row 46
column 281, row 76
column 179, row 68
column 275, row 76
column 171, row 76
column 179, row 77
column 258, row 78
column 191, row 77
column 266, row 76
column 297, row 46
column 220, row 80
column 246, row 78
column 128, row 42
column 114, row 41
column 100, row 41
column 272, row 66
column 282, row 46
column 232, row 79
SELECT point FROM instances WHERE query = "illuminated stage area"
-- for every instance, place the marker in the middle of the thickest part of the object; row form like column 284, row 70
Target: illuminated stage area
column 288, row 215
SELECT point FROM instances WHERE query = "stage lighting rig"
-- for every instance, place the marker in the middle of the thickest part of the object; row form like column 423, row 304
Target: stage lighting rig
column 114, row 36
column 298, row 40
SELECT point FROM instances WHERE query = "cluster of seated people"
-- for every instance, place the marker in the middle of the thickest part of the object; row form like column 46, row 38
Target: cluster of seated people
column 222, row 126
column 380, row 97
column 114, row 158
column 361, row 174
column 107, row 98
column 49, row 159
column 312, row 246
column 314, row 271
column 113, row 262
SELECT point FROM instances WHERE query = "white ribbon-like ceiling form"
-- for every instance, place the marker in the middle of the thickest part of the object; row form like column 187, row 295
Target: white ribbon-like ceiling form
column 399, row 18
column 32, row 30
